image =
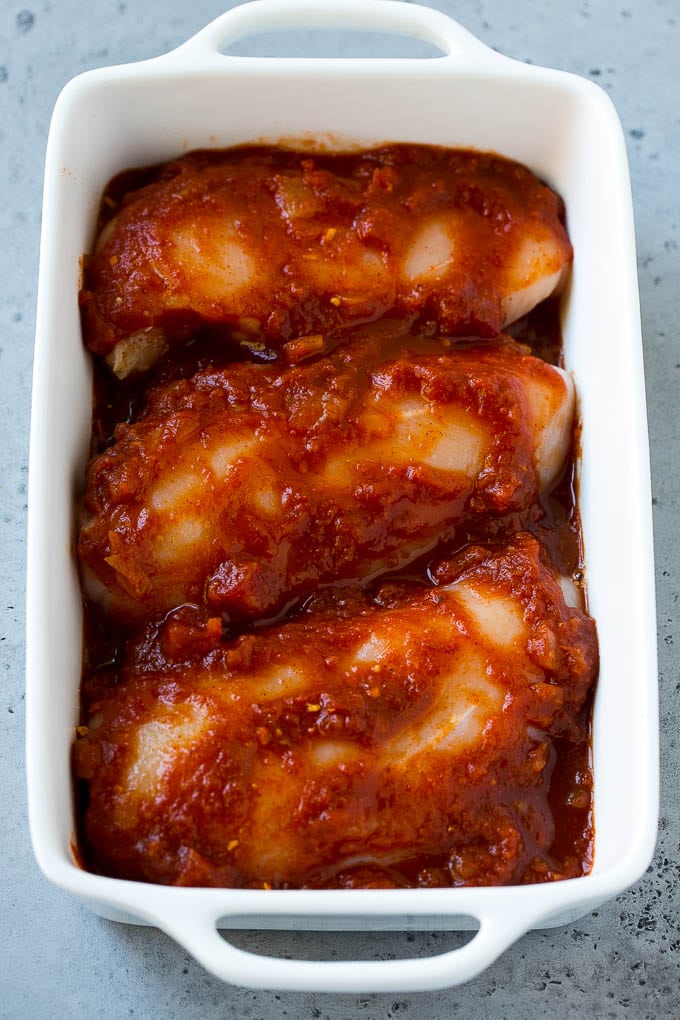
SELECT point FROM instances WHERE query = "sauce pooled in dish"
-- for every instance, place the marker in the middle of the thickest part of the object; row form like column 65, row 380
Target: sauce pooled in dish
column 331, row 559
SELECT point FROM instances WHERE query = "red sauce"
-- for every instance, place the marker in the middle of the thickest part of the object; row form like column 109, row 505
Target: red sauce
column 561, row 820
column 315, row 244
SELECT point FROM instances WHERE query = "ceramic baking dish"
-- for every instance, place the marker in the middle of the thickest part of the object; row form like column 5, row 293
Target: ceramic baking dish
column 565, row 129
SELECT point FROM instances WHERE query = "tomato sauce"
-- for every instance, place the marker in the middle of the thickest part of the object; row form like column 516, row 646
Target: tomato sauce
column 121, row 654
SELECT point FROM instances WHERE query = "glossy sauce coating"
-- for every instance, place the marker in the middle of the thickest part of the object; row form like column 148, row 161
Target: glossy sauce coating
column 328, row 531
column 245, row 488
column 271, row 245
column 401, row 740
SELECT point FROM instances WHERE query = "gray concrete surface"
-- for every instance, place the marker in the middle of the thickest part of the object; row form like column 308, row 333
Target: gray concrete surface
column 58, row 960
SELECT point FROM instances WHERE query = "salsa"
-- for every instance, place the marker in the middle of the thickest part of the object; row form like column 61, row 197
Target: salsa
column 335, row 626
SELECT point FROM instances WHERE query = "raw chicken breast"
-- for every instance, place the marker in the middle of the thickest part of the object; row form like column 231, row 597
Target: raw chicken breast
column 270, row 245
column 403, row 740
column 244, row 488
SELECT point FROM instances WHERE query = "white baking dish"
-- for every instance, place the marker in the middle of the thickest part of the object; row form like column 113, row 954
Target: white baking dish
column 566, row 130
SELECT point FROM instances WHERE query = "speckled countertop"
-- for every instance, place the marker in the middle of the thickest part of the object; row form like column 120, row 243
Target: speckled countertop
column 60, row 960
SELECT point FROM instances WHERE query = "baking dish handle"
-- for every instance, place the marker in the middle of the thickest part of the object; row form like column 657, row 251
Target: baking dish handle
column 200, row 937
column 388, row 16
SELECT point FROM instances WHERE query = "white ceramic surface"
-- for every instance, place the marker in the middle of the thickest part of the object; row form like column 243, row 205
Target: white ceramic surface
column 566, row 130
